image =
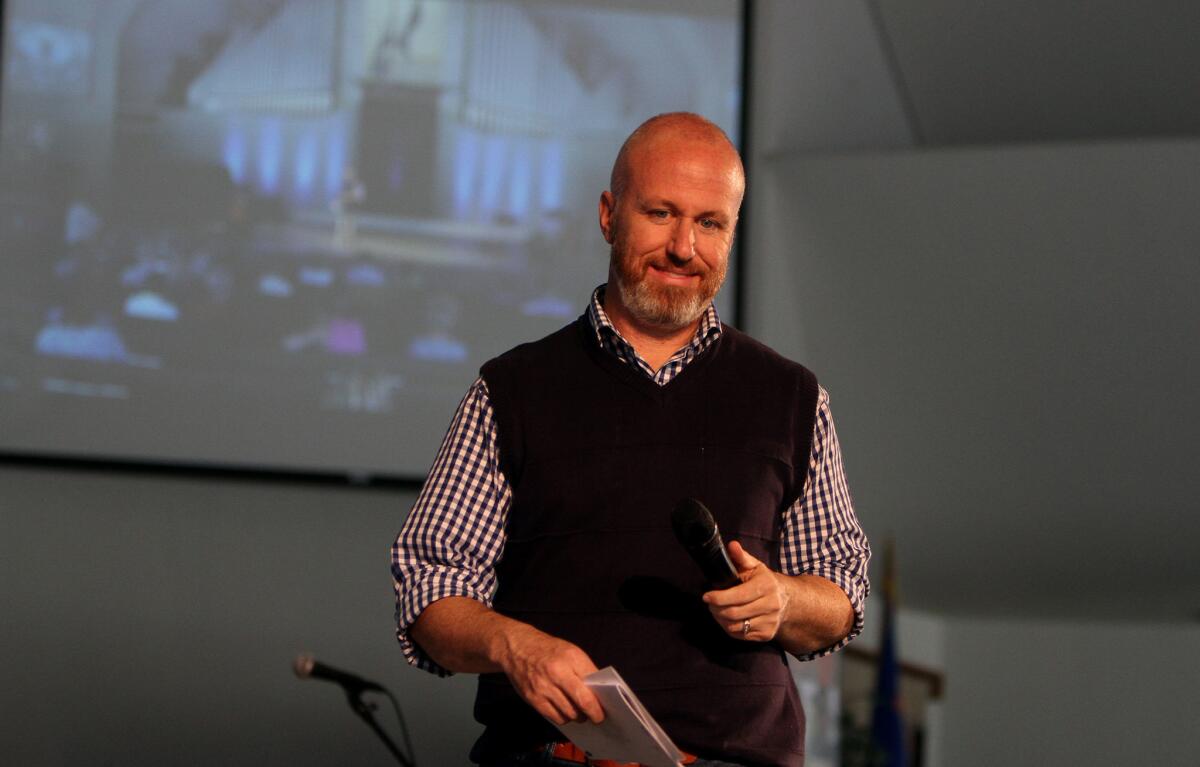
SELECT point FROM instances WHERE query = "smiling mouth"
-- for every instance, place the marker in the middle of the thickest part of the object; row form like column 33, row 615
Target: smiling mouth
column 669, row 275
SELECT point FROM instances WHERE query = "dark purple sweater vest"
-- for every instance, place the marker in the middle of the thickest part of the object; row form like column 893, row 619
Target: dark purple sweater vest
column 597, row 456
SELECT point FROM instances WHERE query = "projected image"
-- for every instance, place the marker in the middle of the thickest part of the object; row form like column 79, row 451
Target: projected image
column 286, row 233
column 49, row 58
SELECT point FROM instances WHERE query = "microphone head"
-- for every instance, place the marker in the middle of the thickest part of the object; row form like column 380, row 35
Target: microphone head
column 693, row 523
column 303, row 665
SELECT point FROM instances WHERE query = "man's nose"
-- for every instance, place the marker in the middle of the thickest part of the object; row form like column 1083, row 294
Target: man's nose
column 682, row 245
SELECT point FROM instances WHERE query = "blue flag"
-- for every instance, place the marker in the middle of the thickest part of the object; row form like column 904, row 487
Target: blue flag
column 887, row 723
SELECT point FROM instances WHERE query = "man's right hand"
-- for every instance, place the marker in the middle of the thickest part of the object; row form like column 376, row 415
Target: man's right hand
column 464, row 635
column 548, row 673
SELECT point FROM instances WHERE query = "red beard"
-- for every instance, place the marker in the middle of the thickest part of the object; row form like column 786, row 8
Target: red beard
column 668, row 306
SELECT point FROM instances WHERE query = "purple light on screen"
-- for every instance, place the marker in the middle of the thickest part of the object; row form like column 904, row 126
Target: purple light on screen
column 270, row 155
column 346, row 337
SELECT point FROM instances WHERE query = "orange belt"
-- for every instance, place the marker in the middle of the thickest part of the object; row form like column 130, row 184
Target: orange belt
column 569, row 752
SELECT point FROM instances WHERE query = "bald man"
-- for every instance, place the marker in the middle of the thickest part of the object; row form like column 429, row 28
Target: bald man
column 541, row 548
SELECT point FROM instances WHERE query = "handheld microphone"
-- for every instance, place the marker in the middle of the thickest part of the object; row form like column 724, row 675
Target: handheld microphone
column 696, row 530
column 307, row 666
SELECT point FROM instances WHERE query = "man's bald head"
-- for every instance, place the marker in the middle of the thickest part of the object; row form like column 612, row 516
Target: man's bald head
column 673, row 128
column 670, row 217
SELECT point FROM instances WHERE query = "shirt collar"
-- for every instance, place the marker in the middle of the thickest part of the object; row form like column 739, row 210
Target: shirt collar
column 611, row 339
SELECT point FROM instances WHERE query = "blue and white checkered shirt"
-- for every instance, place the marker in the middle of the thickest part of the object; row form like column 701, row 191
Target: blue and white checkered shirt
column 454, row 535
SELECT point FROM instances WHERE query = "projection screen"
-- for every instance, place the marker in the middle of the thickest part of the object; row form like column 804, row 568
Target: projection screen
column 284, row 234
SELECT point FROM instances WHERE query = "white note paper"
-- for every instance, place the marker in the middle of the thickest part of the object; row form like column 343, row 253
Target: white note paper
column 628, row 732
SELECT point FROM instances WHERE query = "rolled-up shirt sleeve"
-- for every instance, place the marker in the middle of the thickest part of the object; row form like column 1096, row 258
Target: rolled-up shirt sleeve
column 821, row 534
column 454, row 534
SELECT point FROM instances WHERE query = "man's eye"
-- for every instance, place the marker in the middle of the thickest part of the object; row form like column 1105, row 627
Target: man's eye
column 709, row 223
column 658, row 214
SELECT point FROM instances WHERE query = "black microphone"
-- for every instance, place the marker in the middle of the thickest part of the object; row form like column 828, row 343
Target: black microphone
column 696, row 530
column 307, row 666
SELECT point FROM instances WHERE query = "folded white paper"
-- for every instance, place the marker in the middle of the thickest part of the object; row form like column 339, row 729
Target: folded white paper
column 628, row 732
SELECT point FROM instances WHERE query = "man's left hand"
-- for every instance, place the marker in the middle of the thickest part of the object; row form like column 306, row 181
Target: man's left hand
column 756, row 608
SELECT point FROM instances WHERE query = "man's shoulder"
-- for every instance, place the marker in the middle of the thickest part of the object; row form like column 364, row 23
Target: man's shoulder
column 750, row 350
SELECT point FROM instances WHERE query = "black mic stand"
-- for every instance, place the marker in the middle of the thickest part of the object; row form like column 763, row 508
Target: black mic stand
column 366, row 711
column 354, row 686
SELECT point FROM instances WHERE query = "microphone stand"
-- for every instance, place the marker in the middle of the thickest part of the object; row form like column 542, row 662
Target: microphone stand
column 366, row 711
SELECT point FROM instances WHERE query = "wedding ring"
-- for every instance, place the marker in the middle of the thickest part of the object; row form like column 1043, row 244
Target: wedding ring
column 745, row 628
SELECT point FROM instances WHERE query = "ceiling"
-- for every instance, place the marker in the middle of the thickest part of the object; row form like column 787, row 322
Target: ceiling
column 978, row 71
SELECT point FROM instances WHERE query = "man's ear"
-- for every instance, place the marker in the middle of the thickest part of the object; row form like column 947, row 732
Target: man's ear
column 608, row 204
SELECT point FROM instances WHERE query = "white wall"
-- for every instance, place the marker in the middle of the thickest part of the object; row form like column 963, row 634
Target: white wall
column 1033, row 692
column 1045, row 692
column 920, row 636
column 1008, row 337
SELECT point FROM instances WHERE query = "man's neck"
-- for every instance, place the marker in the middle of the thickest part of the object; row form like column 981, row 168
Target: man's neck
column 653, row 343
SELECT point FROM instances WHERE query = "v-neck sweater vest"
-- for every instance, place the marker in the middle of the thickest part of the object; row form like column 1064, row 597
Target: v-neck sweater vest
column 597, row 455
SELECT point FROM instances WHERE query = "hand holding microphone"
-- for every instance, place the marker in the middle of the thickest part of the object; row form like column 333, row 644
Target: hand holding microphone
column 749, row 601
column 695, row 528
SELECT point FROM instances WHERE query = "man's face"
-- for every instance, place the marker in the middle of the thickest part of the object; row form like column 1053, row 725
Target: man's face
column 671, row 229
